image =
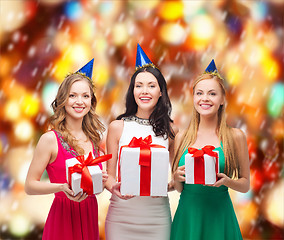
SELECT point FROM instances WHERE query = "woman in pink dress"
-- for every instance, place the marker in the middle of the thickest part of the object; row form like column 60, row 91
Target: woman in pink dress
column 76, row 131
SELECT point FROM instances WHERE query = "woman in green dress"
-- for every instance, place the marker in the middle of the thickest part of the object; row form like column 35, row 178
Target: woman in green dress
column 206, row 212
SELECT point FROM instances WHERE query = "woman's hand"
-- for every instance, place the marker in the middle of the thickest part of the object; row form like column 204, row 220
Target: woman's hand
column 223, row 179
column 70, row 194
column 116, row 191
column 179, row 174
column 105, row 177
column 179, row 178
column 171, row 186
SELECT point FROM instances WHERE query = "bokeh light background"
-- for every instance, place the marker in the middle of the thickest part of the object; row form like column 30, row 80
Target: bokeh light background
column 41, row 41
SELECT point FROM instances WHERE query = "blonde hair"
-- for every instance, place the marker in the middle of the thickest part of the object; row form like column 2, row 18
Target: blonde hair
column 91, row 124
column 224, row 132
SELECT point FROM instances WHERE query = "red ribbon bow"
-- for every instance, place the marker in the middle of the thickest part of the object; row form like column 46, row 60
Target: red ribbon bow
column 145, row 152
column 199, row 169
column 144, row 162
column 82, row 167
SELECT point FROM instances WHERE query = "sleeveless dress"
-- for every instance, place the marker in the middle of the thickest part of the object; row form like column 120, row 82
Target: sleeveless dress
column 205, row 212
column 141, row 217
column 68, row 219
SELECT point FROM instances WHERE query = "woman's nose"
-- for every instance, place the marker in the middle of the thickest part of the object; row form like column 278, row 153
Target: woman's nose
column 79, row 100
column 204, row 97
column 145, row 89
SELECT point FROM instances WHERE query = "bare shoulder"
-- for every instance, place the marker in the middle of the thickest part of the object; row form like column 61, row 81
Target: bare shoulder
column 180, row 135
column 175, row 128
column 48, row 138
column 238, row 135
column 47, row 144
column 172, row 141
column 113, row 136
column 115, row 130
column 116, row 126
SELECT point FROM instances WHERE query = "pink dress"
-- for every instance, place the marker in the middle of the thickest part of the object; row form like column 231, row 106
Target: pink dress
column 68, row 219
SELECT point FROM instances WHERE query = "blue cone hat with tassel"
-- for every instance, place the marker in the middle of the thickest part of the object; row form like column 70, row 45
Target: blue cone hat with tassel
column 212, row 69
column 141, row 59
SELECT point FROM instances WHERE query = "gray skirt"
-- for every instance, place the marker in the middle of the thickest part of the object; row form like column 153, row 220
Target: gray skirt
column 139, row 218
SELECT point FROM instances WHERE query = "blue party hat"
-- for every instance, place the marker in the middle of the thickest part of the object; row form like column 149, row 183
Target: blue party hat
column 211, row 67
column 87, row 70
column 141, row 59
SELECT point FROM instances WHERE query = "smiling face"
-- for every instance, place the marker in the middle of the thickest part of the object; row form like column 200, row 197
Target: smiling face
column 208, row 97
column 146, row 92
column 79, row 100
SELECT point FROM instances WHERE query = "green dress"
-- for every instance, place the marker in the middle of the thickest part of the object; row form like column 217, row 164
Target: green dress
column 205, row 212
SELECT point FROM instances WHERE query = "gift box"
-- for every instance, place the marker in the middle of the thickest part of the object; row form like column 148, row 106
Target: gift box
column 143, row 168
column 201, row 166
column 84, row 174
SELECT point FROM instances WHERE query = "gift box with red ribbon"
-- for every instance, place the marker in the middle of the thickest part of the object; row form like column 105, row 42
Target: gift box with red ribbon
column 84, row 174
column 201, row 166
column 143, row 168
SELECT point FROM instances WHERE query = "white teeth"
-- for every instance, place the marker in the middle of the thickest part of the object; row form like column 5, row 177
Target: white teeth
column 78, row 109
column 145, row 98
column 205, row 106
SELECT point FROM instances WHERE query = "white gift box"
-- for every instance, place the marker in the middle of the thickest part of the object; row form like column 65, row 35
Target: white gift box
column 95, row 172
column 130, row 171
column 209, row 169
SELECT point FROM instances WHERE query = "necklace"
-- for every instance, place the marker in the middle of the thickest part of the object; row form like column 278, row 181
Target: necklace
column 141, row 121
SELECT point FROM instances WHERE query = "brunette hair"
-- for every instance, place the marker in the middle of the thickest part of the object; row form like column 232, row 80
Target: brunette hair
column 160, row 117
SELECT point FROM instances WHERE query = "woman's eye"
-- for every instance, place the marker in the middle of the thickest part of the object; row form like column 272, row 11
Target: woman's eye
column 138, row 86
column 152, row 86
column 198, row 93
column 86, row 96
column 71, row 95
column 213, row 94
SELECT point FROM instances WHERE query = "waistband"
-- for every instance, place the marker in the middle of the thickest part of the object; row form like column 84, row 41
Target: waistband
column 205, row 190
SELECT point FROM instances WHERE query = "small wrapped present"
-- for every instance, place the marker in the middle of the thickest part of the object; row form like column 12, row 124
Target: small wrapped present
column 201, row 166
column 143, row 168
column 84, row 174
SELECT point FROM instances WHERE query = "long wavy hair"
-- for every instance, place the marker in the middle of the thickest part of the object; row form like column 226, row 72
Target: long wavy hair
column 160, row 117
column 223, row 130
column 91, row 124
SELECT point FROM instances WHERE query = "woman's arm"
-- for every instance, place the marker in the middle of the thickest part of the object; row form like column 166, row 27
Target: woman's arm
column 112, row 144
column 178, row 176
column 242, row 184
column 45, row 153
column 171, row 154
